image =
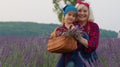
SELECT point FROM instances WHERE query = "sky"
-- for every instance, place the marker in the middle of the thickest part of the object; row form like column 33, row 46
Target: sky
column 106, row 12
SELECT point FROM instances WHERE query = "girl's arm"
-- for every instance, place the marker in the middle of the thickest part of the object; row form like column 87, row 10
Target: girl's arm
column 53, row 34
column 57, row 32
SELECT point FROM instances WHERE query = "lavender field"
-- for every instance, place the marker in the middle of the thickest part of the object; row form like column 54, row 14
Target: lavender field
column 108, row 52
column 31, row 51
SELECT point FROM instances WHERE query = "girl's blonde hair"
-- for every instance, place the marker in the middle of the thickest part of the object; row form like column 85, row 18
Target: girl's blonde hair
column 80, row 6
column 63, row 19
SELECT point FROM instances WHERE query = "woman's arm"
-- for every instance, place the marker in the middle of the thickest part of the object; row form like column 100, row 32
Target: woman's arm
column 83, row 41
column 93, row 41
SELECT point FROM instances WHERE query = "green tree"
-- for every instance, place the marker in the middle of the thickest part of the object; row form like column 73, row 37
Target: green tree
column 57, row 7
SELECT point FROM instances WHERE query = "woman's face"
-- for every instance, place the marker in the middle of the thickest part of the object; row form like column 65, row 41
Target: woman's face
column 83, row 14
column 70, row 17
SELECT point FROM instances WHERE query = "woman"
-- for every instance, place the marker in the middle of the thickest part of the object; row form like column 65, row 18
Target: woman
column 85, row 20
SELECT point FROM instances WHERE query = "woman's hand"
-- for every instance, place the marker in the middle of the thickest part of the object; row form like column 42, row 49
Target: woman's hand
column 83, row 41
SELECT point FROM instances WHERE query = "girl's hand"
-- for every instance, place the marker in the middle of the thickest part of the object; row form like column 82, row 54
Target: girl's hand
column 70, row 32
column 72, row 27
column 78, row 35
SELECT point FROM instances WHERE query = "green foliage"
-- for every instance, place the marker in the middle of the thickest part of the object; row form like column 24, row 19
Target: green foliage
column 107, row 34
column 25, row 29
column 36, row 29
column 104, row 61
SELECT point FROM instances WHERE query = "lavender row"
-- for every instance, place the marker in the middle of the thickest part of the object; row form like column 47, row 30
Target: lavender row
column 17, row 51
column 25, row 52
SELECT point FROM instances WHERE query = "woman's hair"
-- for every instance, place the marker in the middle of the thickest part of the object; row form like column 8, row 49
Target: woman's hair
column 80, row 6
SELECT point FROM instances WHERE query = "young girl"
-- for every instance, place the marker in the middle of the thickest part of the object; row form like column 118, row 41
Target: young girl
column 68, row 59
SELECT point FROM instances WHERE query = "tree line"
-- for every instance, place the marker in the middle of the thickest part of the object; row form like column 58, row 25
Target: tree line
column 39, row 29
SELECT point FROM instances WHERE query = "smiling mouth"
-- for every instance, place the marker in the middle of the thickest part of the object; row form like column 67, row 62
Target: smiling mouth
column 81, row 16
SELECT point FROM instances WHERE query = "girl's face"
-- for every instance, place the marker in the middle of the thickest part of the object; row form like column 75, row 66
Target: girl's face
column 83, row 14
column 70, row 17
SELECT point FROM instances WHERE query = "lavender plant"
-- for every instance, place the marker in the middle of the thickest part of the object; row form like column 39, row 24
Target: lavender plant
column 32, row 51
